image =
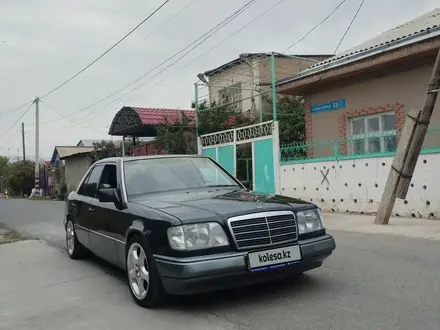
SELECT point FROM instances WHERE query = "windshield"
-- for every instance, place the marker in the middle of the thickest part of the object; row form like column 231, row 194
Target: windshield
column 145, row 176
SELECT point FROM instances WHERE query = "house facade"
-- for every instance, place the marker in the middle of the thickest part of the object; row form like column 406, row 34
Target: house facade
column 72, row 163
column 355, row 107
column 360, row 97
column 76, row 166
column 238, row 83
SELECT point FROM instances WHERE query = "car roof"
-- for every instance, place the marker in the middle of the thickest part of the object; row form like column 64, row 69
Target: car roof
column 131, row 158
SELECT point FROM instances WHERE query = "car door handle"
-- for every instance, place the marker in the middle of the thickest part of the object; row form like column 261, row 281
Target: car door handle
column 91, row 209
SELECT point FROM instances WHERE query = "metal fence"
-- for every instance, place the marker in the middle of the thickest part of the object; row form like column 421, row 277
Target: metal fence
column 371, row 145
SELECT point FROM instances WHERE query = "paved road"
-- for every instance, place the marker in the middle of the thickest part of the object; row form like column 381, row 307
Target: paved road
column 371, row 282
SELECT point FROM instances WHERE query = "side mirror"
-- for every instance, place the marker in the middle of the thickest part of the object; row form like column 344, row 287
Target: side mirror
column 109, row 195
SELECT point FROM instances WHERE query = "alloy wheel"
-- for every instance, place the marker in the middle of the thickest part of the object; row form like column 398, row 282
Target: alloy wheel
column 138, row 271
column 70, row 238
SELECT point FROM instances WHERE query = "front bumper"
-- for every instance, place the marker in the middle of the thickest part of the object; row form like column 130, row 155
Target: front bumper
column 224, row 271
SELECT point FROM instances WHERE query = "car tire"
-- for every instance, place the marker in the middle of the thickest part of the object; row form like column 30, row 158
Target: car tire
column 143, row 276
column 74, row 248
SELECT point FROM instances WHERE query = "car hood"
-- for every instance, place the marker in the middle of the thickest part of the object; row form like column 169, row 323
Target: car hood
column 218, row 204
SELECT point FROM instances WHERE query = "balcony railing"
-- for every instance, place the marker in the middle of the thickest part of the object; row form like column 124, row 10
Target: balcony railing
column 360, row 146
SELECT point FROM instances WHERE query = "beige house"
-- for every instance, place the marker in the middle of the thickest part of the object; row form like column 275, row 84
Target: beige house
column 74, row 162
column 238, row 82
column 360, row 97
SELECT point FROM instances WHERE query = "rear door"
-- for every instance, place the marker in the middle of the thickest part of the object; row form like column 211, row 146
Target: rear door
column 88, row 192
column 101, row 238
column 80, row 207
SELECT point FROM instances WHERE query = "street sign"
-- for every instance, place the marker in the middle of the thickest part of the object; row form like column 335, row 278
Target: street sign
column 329, row 106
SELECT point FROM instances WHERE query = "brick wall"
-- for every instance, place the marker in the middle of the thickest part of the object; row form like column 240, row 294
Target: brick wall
column 308, row 123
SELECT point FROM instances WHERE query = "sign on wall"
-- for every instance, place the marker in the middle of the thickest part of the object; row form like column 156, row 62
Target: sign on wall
column 329, row 106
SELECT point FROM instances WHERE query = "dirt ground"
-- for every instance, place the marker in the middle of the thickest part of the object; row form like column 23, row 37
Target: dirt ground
column 10, row 236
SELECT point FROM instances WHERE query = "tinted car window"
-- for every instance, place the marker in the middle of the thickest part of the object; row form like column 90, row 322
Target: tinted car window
column 163, row 174
column 109, row 177
column 92, row 182
column 82, row 188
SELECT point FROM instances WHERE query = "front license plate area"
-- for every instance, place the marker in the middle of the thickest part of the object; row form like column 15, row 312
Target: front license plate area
column 274, row 258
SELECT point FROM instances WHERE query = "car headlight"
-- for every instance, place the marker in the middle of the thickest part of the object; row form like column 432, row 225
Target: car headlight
column 197, row 236
column 309, row 221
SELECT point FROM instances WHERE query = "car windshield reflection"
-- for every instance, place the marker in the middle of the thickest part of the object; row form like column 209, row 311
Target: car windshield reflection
column 144, row 176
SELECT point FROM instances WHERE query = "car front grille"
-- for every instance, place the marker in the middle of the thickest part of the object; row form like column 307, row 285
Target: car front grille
column 263, row 229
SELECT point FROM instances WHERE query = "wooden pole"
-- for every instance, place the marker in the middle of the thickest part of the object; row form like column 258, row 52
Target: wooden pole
column 408, row 149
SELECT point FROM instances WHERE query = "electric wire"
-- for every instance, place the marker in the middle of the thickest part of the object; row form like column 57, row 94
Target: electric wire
column 15, row 123
column 8, row 112
column 165, row 22
column 316, row 26
column 212, row 48
column 107, row 51
column 206, row 35
column 169, row 65
column 343, row 37
column 217, row 45
column 58, row 110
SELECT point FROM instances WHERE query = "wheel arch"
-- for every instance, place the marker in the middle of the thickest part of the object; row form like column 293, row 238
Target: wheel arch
column 136, row 228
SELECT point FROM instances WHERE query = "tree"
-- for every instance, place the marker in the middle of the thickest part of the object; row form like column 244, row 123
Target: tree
column 176, row 137
column 291, row 118
column 106, row 149
column 179, row 137
column 20, row 177
column 4, row 168
column 4, row 165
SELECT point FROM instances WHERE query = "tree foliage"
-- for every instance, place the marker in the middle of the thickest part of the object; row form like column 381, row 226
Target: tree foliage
column 179, row 137
column 291, row 118
column 106, row 149
column 20, row 177
column 4, row 165
column 176, row 137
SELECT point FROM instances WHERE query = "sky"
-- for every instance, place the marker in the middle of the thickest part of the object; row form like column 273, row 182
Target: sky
column 44, row 42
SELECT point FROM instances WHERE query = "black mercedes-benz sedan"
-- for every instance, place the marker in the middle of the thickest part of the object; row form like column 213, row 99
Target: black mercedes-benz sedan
column 182, row 225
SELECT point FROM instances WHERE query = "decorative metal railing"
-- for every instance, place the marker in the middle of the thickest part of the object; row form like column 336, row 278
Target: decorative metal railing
column 360, row 146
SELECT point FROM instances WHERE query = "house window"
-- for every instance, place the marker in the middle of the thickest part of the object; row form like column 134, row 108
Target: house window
column 231, row 95
column 372, row 134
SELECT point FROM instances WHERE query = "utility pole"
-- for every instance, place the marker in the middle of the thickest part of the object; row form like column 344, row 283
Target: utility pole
column 37, row 146
column 408, row 149
column 23, row 142
column 274, row 87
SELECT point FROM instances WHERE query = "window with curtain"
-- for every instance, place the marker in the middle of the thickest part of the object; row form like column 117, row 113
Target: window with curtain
column 372, row 134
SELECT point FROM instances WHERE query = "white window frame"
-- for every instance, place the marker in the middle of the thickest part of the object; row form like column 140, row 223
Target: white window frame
column 232, row 95
column 365, row 136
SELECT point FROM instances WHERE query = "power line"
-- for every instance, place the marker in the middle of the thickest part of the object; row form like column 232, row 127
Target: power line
column 165, row 22
column 316, row 26
column 235, row 15
column 246, row 25
column 343, row 36
column 224, row 40
column 107, row 51
column 220, row 43
column 349, row 26
column 8, row 112
column 57, row 110
column 15, row 123
column 206, row 35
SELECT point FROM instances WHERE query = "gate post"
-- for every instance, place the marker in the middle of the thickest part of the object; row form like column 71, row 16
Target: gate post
column 199, row 145
column 235, row 153
column 276, row 157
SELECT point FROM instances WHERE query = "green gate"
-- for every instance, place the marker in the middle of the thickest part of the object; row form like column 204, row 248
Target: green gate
column 222, row 146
